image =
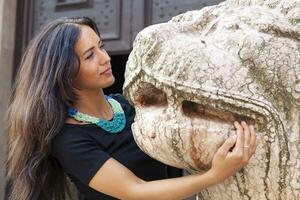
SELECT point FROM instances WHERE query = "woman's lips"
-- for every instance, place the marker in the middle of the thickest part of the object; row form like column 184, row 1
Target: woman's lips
column 107, row 71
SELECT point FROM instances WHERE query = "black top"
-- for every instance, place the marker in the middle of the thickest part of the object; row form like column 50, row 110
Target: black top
column 82, row 149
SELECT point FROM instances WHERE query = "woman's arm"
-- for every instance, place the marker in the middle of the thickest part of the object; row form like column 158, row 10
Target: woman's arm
column 116, row 180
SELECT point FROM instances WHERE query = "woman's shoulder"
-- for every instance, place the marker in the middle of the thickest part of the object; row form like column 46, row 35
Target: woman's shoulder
column 71, row 132
column 70, row 136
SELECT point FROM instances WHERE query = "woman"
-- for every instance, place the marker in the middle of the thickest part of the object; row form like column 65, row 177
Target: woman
column 61, row 122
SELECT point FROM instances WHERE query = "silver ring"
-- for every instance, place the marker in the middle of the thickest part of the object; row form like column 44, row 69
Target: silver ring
column 246, row 146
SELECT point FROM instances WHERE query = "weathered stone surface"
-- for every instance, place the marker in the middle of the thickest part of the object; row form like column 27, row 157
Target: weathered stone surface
column 190, row 78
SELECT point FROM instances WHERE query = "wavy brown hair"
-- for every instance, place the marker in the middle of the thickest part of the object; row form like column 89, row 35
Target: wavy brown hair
column 42, row 92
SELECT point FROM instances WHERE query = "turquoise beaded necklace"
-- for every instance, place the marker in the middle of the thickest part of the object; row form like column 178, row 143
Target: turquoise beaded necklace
column 115, row 125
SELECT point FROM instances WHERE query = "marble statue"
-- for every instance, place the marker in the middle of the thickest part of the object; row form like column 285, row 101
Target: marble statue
column 191, row 77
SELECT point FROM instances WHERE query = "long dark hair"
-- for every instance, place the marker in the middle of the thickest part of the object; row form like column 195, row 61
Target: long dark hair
column 42, row 92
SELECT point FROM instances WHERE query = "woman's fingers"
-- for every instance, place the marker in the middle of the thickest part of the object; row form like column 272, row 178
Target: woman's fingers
column 226, row 163
column 247, row 144
column 227, row 145
column 240, row 138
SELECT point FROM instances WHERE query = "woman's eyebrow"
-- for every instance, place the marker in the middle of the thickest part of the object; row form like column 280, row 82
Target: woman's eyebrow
column 87, row 50
column 91, row 48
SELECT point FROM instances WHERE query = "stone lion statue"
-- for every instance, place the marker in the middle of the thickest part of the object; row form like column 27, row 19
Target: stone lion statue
column 191, row 77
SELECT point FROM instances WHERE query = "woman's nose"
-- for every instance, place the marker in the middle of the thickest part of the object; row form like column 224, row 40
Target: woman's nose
column 103, row 56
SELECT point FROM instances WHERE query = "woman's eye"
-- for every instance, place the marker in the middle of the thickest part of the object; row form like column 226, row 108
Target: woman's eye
column 101, row 46
column 90, row 56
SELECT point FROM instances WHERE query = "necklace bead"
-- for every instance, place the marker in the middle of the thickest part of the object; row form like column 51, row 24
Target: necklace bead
column 116, row 125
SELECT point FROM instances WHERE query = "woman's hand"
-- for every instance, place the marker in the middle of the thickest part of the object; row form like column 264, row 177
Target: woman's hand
column 225, row 162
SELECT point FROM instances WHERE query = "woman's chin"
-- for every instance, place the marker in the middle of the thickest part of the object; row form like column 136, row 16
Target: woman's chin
column 109, row 82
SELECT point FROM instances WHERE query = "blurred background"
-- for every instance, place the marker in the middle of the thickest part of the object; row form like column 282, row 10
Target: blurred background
column 118, row 21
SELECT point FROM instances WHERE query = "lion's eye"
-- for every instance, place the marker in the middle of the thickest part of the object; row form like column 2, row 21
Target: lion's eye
column 149, row 95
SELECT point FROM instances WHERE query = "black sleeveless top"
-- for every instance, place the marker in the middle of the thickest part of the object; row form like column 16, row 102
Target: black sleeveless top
column 81, row 150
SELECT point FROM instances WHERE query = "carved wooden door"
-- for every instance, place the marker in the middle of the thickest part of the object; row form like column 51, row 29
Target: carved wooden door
column 113, row 17
column 118, row 20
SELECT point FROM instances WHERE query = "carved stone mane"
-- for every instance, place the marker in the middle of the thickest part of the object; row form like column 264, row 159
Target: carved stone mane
column 191, row 77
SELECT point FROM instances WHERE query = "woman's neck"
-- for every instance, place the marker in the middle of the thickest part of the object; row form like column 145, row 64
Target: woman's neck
column 93, row 103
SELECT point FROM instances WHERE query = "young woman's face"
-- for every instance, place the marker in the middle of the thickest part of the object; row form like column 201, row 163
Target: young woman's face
column 94, row 69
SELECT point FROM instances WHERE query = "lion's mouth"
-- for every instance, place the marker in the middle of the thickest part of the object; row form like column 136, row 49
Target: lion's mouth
column 197, row 126
column 148, row 95
column 208, row 112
